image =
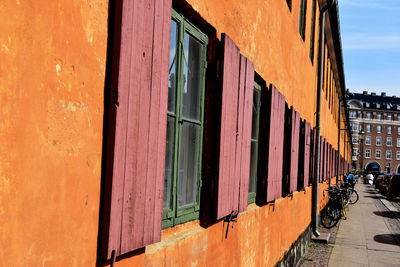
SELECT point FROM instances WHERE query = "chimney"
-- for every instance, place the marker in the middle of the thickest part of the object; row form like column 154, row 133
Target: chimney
column 373, row 94
column 365, row 92
column 383, row 94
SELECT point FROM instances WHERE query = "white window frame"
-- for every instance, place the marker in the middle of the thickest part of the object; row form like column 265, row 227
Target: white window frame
column 389, row 117
column 379, row 116
column 380, row 142
column 368, row 116
column 389, row 129
column 376, row 154
column 368, row 128
column 379, row 129
column 398, row 142
column 388, row 154
column 367, row 153
column 368, row 140
column 397, row 155
column 388, row 141
column 354, row 140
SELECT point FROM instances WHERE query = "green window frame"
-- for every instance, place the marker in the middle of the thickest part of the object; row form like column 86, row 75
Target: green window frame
column 312, row 32
column 187, row 69
column 254, row 143
column 302, row 19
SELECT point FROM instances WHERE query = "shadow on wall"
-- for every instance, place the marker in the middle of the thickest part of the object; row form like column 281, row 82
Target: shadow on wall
column 388, row 239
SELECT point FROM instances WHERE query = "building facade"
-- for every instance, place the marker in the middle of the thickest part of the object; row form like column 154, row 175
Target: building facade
column 166, row 133
column 375, row 127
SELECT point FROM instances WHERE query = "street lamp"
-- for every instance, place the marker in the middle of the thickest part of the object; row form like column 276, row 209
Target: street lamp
column 361, row 133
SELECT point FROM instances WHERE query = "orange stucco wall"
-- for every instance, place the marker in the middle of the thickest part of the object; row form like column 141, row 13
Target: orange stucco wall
column 52, row 71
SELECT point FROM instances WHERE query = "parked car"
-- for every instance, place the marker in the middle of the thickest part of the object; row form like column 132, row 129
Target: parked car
column 383, row 185
column 393, row 189
column 377, row 179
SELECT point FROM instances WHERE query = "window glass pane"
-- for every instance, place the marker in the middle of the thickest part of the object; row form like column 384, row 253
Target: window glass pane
column 253, row 167
column 256, row 110
column 172, row 67
column 189, row 161
column 169, row 161
column 191, row 95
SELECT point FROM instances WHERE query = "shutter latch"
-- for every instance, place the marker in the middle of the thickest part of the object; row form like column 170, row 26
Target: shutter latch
column 233, row 217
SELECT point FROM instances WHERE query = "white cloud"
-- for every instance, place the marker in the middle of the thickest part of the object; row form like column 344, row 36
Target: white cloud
column 368, row 41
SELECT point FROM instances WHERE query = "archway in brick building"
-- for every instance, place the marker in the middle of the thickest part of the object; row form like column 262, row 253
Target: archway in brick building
column 398, row 169
column 373, row 167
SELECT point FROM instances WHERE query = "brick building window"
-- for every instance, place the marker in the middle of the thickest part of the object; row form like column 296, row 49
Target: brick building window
column 389, row 129
column 398, row 129
column 389, row 117
column 368, row 140
column 389, row 141
column 378, row 129
column 378, row 141
column 378, row 154
column 388, row 154
column 398, row 142
column 379, row 115
column 368, row 128
column 398, row 155
column 368, row 153
column 368, row 115
column 352, row 114
column 354, row 140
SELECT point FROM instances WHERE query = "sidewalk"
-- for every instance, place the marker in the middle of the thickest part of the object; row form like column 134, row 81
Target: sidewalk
column 364, row 238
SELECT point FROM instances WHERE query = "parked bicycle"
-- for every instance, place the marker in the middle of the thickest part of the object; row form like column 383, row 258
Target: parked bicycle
column 335, row 208
column 350, row 195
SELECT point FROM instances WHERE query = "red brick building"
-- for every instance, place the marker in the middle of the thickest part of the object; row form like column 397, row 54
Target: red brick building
column 375, row 127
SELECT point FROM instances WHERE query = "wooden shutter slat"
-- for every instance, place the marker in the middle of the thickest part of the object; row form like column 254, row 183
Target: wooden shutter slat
column 138, row 126
column 307, row 147
column 118, row 174
column 246, row 136
column 139, row 151
column 239, row 132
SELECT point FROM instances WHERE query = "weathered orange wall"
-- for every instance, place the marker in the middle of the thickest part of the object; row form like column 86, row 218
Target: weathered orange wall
column 52, row 71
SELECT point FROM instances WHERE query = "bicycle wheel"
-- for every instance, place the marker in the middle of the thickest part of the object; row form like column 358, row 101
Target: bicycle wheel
column 330, row 216
column 353, row 196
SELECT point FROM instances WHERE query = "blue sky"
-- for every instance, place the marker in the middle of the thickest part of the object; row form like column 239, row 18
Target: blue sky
column 371, row 45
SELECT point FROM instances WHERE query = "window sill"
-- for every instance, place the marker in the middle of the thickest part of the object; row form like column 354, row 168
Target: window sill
column 175, row 234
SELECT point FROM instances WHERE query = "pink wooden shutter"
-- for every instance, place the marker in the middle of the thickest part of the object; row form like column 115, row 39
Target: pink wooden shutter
column 313, row 156
column 326, row 154
column 244, row 128
column 321, row 161
column 135, row 200
column 235, row 136
column 330, row 161
column 294, row 149
column 307, row 148
column 274, row 160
